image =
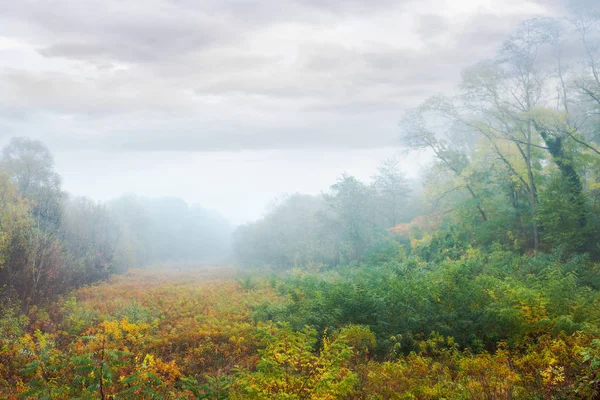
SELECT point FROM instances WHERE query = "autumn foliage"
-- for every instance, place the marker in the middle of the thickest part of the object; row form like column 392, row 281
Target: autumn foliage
column 204, row 334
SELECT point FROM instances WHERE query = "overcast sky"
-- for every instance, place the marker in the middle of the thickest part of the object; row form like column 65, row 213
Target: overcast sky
column 228, row 103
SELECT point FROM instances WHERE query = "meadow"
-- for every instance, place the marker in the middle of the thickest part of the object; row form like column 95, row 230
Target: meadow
column 217, row 333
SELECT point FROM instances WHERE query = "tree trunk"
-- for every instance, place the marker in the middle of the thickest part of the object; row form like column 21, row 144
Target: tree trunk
column 533, row 193
column 567, row 170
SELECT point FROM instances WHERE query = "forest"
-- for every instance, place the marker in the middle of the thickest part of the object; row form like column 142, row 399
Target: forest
column 479, row 280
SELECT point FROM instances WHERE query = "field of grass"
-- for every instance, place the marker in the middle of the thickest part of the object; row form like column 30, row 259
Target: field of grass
column 204, row 333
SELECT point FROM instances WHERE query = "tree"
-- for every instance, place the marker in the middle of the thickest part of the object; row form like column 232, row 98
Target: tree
column 500, row 93
column 90, row 237
column 352, row 216
column 451, row 152
column 391, row 190
column 294, row 233
column 30, row 166
column 15, row 225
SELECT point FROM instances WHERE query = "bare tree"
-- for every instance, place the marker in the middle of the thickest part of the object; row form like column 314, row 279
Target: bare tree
column 452, row 154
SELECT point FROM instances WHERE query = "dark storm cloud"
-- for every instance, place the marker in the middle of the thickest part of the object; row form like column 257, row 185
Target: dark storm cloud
column 205, row 75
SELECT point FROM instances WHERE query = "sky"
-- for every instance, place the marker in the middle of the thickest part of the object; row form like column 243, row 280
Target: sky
column 230, row 103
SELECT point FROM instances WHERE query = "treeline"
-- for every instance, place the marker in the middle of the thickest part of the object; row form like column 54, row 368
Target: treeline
column 516, row 163
column 51, row 242
column 333, row 228
column 168, row 229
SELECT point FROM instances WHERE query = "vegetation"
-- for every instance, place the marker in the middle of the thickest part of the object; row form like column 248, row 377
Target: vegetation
column 481, row 283
column 496, row 326
column 51, row 243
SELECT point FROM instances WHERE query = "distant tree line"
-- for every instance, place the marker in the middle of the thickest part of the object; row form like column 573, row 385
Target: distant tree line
column 333, row 228
column 51, row 242
column 516, row 163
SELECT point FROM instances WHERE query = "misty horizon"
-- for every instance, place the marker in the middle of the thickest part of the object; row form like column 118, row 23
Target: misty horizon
column 236, row 211
column 244, row 97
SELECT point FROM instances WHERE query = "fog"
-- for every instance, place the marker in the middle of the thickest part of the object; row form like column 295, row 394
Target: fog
column 210, row 113
column 254, row 178
column 188, row 121
column 143, row 98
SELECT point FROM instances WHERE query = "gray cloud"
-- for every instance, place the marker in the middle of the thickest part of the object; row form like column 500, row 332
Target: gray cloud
column 229, row 103
column 208, row 75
